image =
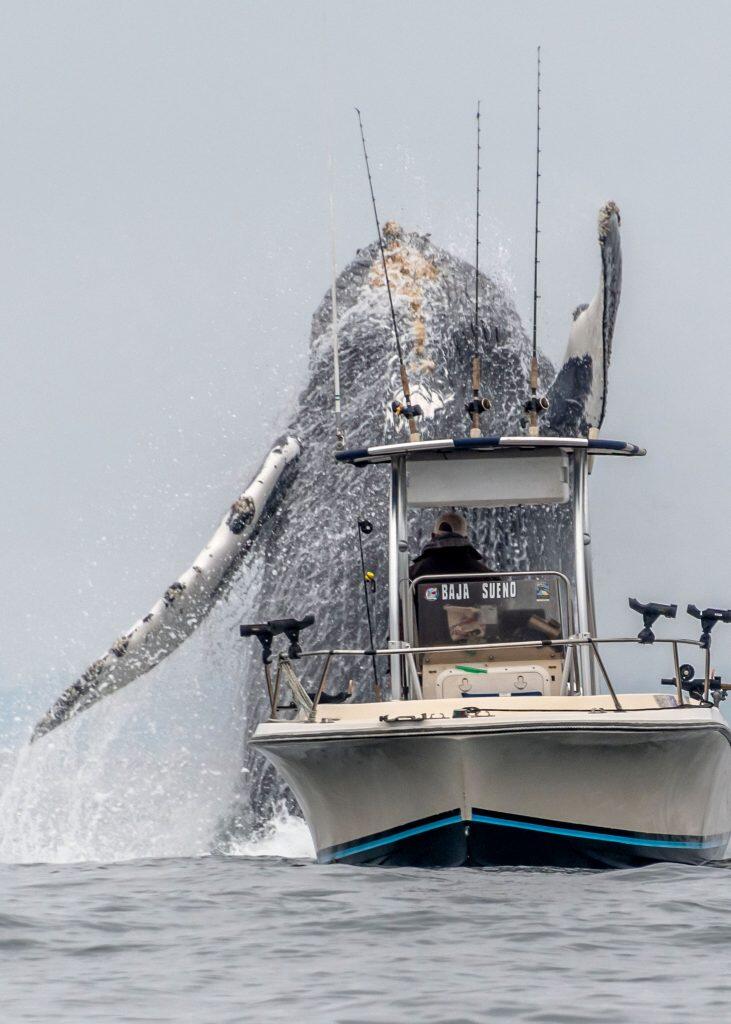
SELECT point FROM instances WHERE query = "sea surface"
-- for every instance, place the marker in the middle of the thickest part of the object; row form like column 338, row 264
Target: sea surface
column 112, row 908
column 268, row 935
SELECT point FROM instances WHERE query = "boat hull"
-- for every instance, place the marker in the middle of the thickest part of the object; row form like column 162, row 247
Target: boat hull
column 488, row 840
column 578, row 794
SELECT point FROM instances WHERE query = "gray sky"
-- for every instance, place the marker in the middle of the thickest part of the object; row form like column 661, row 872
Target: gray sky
column 164, row 242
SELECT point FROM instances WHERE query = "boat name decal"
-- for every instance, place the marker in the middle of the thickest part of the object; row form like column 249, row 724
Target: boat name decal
column 491, row 590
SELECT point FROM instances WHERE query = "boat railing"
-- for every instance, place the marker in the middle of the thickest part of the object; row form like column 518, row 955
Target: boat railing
column 308, row 703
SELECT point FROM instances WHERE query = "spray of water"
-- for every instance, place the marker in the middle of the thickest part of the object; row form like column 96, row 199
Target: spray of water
column 285, row 835
column 147, row 774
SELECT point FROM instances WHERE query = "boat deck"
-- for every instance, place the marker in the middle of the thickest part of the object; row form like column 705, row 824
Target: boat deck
column 485, row 713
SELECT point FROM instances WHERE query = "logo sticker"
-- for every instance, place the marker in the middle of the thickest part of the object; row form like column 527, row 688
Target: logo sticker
column 432, row 593
column 543, row 592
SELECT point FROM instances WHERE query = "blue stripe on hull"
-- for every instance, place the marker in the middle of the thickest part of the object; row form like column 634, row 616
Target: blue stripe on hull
column 489, row 838
column 602, row 837
column 396, row 837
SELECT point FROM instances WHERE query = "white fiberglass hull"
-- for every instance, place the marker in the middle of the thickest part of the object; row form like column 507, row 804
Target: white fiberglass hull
column 571, row 783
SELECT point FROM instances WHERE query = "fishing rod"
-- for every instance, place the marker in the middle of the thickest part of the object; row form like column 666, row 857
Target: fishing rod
column 536, row 232
column 478, row 405
column 535, row 405
column 328, row 125
column 477, row 234
column 369, row 579
column 339, row 432
column 405, row 409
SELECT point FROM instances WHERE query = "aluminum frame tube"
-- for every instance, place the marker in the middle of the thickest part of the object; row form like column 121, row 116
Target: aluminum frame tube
column 584, row 595
column 394, row 616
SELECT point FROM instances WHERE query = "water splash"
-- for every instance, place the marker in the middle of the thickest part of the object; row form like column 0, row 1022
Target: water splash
column 285, row 835
column 147, row 774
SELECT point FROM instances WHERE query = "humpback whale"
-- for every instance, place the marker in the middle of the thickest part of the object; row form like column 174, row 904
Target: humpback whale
column 287, row 545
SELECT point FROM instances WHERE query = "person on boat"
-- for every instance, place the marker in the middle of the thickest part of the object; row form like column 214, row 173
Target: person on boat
column 449, row 550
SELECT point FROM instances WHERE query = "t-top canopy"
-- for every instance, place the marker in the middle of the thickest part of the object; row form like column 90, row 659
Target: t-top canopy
column 484, row 446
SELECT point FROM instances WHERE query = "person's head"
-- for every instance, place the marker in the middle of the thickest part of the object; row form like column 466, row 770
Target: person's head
column 450, row 524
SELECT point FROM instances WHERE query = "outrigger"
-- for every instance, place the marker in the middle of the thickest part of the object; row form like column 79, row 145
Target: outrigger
column 495, row 745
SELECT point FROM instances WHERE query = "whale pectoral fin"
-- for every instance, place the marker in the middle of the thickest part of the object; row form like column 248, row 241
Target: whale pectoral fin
column 578, row 395
column 188, row 600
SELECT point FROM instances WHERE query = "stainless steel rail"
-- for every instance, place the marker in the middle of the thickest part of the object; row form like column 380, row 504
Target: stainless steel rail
column 308, row 705
column 512, row 644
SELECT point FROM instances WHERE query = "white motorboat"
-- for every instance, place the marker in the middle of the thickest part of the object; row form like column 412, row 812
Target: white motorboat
column 495, row 745
column 501, row 738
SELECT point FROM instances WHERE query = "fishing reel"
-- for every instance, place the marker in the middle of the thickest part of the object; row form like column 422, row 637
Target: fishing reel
column 365, row 526
column 650, row 614
column 477, row 406
column 695, row 687
column 474, row 409
column 409, row 412
column 535, row 405
column 534, row 408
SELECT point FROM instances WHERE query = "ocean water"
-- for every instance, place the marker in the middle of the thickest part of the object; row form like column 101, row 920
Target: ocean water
column 114, row 909
column 266, row 934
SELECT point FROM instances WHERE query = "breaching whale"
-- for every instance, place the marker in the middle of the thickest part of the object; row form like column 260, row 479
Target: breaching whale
column 297, row 519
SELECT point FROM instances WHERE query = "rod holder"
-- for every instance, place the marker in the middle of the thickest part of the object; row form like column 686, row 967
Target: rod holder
column 266, row 631
column 650, row 613
column 708, row 619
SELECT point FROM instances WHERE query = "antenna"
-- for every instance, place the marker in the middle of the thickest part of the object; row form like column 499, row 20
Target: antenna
column 535, row 405
column 409, row 411
column 339, row 433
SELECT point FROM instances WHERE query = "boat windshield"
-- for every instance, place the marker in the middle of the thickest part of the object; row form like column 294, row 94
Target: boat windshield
column 459, row 610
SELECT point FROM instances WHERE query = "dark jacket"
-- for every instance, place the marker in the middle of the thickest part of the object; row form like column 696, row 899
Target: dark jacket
column 447, row 556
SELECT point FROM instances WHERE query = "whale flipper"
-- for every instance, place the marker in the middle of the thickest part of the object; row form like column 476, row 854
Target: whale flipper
column 578, row 395
column 188, row 600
